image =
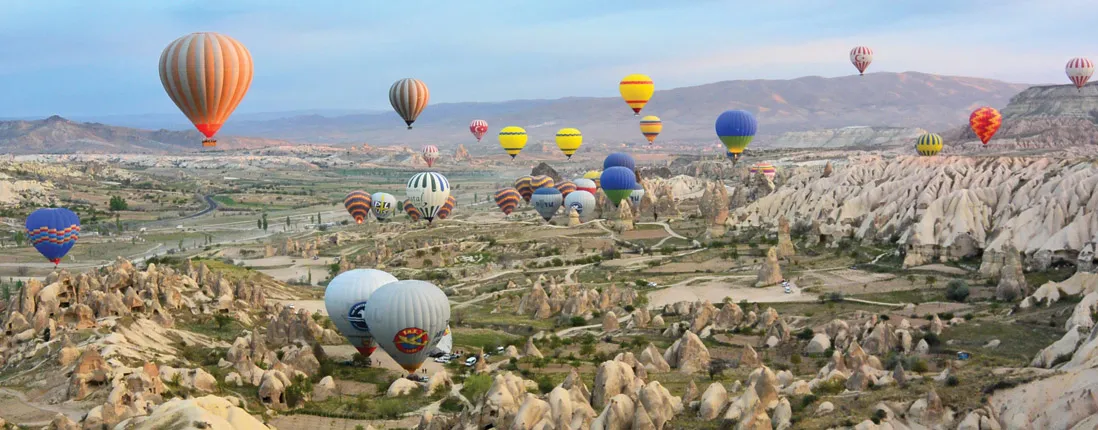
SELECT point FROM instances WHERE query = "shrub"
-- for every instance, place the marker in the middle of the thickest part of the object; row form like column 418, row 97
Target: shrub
column 919, row 366
column 957, row 290
column 805, row 334
column 475, row 386
column 952, row 381
column 932, row 339
column 577, row 321
column 832, row 386
column 451, row 404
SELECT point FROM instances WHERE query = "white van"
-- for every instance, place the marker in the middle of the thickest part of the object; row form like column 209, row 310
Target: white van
column 469, row 362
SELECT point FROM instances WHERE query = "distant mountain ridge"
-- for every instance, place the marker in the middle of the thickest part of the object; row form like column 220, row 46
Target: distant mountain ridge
column 1046, row 116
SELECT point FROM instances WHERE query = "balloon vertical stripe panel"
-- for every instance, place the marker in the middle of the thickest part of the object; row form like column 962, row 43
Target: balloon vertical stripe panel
column 409, row 97
column 428, row 191
column 207, row 76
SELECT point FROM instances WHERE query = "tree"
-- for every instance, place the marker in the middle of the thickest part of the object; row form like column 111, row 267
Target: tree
column 287, row 222
column 310, row 277
column 911, row 279
column 264, row 222
column 930, row 280
column 587, row 349
column 222, row 320
column 118, row 222
column 259, row 223
column 318, row 217
column 117, row 203
column 957, row 290
column 19, row 238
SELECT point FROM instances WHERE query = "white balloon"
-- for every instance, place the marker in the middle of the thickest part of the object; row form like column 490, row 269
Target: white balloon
column 407, row 319
column 385, row 205
column 583, row 202
column 345, row 299
column 585, row 185
column 428, row 191
column 446, row 344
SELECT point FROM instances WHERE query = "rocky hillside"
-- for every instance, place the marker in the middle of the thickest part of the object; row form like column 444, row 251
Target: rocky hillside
column 945, row 208
column 876, row 99
column 1054, row 116
column 58, row 135
column 854, row 136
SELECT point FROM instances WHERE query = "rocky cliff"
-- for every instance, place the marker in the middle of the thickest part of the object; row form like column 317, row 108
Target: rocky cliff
column 860, row 136
column 946, row 208
column 1052, row 116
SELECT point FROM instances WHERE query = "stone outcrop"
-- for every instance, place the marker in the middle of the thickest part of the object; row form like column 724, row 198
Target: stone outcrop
column 770, row 272
column 1012, row 280
column 785, row 241
column 688, row 354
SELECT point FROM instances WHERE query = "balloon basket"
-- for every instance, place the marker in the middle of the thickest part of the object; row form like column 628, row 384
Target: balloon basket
column 209, row 143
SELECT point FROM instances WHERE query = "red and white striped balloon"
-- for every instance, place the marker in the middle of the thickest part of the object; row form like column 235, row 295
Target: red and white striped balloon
column 478, row 127
column 860, row 57
column 430, row 154
column 1079, row 70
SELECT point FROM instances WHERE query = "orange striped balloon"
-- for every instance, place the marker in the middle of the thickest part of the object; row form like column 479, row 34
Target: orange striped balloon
column 412, row 211
column 524, row 187
column 541, row 181
column 507, row 199
column 206, row 75
column 447, row 208
column 358, row 204
column 408, row 97
column 566, row 188
column 985, row 121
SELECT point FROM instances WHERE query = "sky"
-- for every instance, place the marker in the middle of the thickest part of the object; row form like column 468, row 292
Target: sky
column 81, row 58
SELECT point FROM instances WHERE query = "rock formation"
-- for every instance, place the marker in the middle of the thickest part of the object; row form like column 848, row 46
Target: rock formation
column 785, row 241
column 827, row 170
column 545, row 169
column 770, row 273
column 688, row 354
column 1012, row 281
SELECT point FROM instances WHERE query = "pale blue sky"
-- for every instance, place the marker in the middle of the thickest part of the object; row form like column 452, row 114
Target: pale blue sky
column 80, row 57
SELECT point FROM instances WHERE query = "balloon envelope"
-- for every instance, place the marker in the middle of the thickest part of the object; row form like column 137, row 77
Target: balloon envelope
column 53, row 232
column 540, row 181
column 507, row 199
column 1079, row 70
column 985, row 121
column 385, row 205
column 929, row 144
column 512, row 139
column 430, row 154
column 569, row 141
column 206, row 75
column 636, row 196
column 860, row 57
column 407, row 319
column 428, row 191
column 619, row 159
column 409, row 97
column 478, row 127
column 618, row 183
column 636, row 90
column 736, row 129
column 412, row 211
column 447, row 208
column 566, row 187
column 345, row 300
column 584, row 184
column 651, row 126
column 358, row 204
column 525, row 187
column 583, row 202
column 547, row 201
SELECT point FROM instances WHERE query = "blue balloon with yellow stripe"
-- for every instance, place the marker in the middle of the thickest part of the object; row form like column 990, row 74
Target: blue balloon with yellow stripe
column 53, row 232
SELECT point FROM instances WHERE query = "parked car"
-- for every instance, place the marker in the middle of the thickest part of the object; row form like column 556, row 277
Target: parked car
column 788, row 290
column 499, row 349
column 469, row 362
column 442, row 360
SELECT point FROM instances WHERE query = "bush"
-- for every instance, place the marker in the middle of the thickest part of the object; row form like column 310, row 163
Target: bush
column 919, row 366
column 957, row 290
column 952, row 381
column 475, row 386
column 831, row 386
column 577, row 321
column 451, row 404
column 932, row 339
column 805, row 334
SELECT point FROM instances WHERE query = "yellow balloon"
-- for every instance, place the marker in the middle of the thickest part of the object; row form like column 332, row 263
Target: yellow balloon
column 594, row 175
column 512, row 139
column 569, row 140
column 928, row 145
column 651, row 126
column 636, row 90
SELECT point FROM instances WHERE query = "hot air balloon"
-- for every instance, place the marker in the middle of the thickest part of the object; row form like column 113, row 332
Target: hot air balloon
column 447, row 208
column 636, row 90
column 569, row 140
column 541, row 181
column 507, row 199
column 731, row 157
column 766, row 169
column 430, row 154
column 618, row 183
column 594, row 175
column 524, row 187
column 53, row 232
column 583, row 202
column 206, row 75
column 584, row 184
column 736, row 129
column 478, row 127
column 566, row 187
column 412, row 211
column 861, row 56
column 1079, row 70
column 408, row 97
column 928, row 144
column 636, row 196
column 619, row 159
column 407, row 319
column 512, row 139
column 985, row 121
column 651, row 126
column 428, row 191
column 385, row 205
column 358, row 204
column 345, row 300
column 546, row 201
